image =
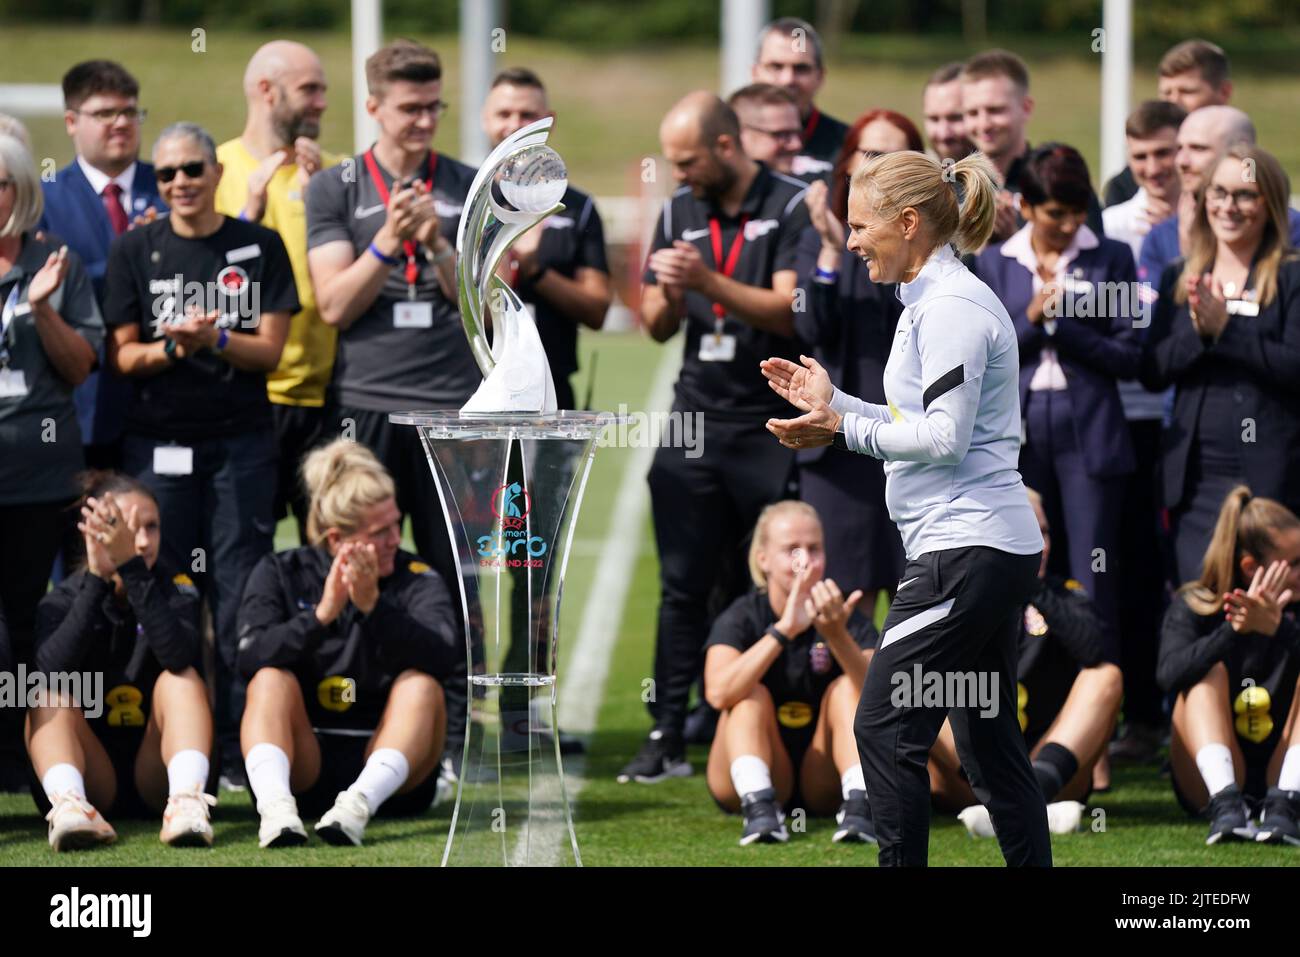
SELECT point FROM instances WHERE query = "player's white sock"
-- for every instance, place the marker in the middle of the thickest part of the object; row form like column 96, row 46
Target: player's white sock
column 187, row 770
column 1289, row 778
column 386, row 770
column 268, row 772
column 750, row 774
column 63, row 779
column 851, row 780
column 1215, row 764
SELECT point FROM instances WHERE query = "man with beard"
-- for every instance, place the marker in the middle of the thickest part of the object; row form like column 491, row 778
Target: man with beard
column 265, row 181
column 722, row 264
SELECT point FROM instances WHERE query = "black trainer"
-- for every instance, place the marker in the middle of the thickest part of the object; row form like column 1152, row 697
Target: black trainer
column 764, row 822
column 1278, row 822
column 1229, row 818
column 854, row 820
column 662, row 756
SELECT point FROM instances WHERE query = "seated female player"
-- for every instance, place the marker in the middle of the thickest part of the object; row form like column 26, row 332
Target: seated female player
column 1230, row 650
column 1068, row 696
column 345, row 644
column 139, row 742
column 784, row 664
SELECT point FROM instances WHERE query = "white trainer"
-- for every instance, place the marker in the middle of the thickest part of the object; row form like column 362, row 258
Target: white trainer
column 1063, row 817
column 76, row 825
column 281, row 826
column 186, row 821
column 345, row 823
column 977, row 821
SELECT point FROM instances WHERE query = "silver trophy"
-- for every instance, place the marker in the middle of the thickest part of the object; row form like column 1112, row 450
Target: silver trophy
column 519, row 185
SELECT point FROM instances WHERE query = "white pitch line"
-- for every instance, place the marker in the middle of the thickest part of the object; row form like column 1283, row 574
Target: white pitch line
column 582, row 683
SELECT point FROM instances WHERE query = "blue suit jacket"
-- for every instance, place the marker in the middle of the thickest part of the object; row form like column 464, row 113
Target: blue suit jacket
column 76, row 214
column 1093, row 352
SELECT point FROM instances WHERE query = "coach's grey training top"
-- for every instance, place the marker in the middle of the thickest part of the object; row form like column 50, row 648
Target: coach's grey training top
column 950, row 434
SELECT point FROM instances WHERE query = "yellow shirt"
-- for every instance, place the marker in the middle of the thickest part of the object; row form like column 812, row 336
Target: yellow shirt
column 308, row 358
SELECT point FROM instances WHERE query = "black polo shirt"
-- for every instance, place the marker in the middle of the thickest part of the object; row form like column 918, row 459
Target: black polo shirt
column 573, row 238
column 823, row 136
column 384, row 365
column 1017, row 169
column 152, row 274
column 775, row 215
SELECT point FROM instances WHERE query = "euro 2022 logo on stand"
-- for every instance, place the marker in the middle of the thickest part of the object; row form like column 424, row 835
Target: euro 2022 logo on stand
column 512, row 546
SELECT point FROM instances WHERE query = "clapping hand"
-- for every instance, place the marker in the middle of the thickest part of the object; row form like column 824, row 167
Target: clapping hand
column 110, row 540
column 1259, row 608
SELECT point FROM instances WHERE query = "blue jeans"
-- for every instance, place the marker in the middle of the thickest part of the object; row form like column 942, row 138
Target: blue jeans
column 216, row 524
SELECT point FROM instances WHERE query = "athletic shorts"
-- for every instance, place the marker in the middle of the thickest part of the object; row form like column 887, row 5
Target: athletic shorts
column 342, row 756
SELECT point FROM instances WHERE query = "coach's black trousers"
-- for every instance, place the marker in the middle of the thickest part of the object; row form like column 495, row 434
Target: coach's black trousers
column 957, row 612
column 704, row 511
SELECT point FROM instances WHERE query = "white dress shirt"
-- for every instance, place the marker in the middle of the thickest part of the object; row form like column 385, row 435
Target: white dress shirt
column 99, row 179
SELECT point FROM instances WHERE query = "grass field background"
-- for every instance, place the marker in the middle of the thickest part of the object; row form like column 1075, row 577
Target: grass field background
column 674, row 823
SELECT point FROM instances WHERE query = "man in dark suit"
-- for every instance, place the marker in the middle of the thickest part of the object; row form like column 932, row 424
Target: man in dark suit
column 91, row 201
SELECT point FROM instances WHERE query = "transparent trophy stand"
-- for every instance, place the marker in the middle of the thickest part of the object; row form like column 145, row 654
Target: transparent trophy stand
column 510, row 485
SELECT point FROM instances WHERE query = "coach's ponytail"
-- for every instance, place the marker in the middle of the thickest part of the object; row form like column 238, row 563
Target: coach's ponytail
column 956, row 201
column 1245, row 525
column 343, row 479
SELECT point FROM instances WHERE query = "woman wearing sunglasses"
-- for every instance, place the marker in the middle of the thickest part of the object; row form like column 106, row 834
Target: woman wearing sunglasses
column 198, row 305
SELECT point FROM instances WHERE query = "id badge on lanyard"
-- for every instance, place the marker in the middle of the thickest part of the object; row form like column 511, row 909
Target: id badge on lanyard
column 409, row 314
column 718, row 346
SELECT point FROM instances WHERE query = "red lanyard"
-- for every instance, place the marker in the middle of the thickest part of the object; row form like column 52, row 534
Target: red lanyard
column 733, row 256
column 412, row 270
column 811, row 125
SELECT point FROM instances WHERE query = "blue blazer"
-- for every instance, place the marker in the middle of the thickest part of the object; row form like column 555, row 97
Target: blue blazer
column 1093, row 352
column 75, row 214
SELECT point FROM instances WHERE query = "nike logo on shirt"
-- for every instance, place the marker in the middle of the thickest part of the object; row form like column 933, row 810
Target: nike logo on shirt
column 362, row 213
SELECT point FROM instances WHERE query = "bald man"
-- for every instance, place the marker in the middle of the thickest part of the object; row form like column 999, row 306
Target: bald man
column 1205, row 134
column 266, row 173
column 722, row 265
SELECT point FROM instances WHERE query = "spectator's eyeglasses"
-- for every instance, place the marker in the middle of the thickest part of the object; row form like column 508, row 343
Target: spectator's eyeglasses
column 193, row 170
column 778, row 135
column 416, row 110
column 1245, row 199
column 128, row 113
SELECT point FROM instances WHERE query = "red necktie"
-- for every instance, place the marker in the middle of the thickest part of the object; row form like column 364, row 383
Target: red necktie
column 112, row 197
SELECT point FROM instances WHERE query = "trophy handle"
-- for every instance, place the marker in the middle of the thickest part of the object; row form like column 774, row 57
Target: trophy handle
column 475, row 266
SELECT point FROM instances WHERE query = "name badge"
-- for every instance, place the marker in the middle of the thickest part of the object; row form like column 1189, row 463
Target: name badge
column 413, row 315
column 717, row 348
column 242, row 253
column 173, row 460
column 1242, row 307
column 13, row 384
